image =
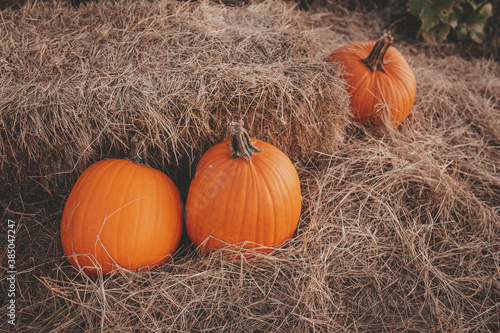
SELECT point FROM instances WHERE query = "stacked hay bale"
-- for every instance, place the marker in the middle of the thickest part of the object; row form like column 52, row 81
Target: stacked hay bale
column 77, row 84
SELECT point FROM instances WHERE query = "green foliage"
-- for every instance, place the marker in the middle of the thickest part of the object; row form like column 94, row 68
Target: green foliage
column 439, row 17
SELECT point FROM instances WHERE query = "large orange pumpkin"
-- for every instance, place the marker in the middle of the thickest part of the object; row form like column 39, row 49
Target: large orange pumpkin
column 120, row 213
column 380, row 81
column 245, row 194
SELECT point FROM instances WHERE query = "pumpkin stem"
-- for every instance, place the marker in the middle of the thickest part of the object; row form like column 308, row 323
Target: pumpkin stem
column 240, row 142
column 375, row 61
column 138, row 152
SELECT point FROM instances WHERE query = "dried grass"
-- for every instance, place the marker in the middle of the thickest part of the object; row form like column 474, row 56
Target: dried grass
column 77, row 84
column 399, row 231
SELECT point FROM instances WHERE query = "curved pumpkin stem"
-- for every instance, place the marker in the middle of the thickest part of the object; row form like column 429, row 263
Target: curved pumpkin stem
column 240, row 142
column 375, row 61
column 138, row 152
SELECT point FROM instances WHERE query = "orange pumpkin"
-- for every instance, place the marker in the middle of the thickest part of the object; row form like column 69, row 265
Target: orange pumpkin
column 120, row 213
column 380, row 81
column 245, row 194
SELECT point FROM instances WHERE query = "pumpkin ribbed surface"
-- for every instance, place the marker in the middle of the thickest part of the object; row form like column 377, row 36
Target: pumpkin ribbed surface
column 243, row 203
column 376, row 94
column 121, row 213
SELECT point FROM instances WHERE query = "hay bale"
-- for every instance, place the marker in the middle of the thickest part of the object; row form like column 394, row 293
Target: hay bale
column 77, row 83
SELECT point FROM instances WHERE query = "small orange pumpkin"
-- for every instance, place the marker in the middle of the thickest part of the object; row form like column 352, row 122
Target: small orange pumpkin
column 380, row 81
column 245, row 194
column 120, row 213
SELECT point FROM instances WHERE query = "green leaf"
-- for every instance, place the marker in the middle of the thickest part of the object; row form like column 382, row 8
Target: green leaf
column 436, row 12
column 487, row 10
column 475, row 22
column 471, row 3
column 444, row 5
column 452, row 20
column 444, row 9
column 477, row 36
column 481, row 14
column 437, row 34
column 466, row 9
column 429, row 18
column 438, row 17
column 415, row 6
column 461, row 32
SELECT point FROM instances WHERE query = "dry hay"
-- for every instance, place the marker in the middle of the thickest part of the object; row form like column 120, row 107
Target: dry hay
column 399, row 232
column 77, row 84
